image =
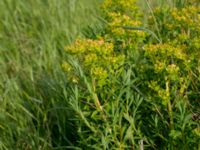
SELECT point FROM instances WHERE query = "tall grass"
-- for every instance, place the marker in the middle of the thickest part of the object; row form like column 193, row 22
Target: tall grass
column 34, row 110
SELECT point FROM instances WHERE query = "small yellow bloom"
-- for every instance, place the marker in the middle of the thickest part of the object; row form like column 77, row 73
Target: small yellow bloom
column 67, row 67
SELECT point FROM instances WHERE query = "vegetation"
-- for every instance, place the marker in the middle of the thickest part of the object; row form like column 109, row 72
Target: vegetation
column 121, row 78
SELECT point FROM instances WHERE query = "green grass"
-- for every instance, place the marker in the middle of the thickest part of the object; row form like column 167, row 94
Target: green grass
column 41, row 110
column 34, row 110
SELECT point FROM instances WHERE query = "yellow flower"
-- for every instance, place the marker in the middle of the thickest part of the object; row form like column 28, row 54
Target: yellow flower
column 74, row 79
column 90, row 58
column 99, row 72
column 159, row 66
column 67, row 67
column 172, row 68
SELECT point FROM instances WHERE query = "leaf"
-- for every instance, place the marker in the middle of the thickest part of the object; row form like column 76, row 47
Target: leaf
column 175, row 134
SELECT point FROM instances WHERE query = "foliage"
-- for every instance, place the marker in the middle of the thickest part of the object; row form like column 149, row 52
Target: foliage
column 98, row 59
column 127, row 79
column 34, row 108
column 149, row 102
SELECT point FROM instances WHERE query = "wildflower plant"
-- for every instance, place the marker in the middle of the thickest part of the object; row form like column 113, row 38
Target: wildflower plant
column 134, row 88
column 180, row 47
column 174, row 63
column 97, row 58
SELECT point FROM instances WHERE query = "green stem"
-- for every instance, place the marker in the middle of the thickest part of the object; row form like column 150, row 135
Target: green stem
column 170, row 111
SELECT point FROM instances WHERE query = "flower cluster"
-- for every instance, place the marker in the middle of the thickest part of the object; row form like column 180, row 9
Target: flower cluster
column 167, row 61
column 101, row 58
column 175, row 58
column 178, row 24
column 116, row 27
column 121, row 6
column 122, row 15
column 97, row 58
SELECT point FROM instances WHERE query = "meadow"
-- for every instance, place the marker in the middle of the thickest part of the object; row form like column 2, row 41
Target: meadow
column 104, row 74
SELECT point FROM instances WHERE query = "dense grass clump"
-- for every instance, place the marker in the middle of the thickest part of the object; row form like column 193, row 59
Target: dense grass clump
column 112, row 74
column 34, row 112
